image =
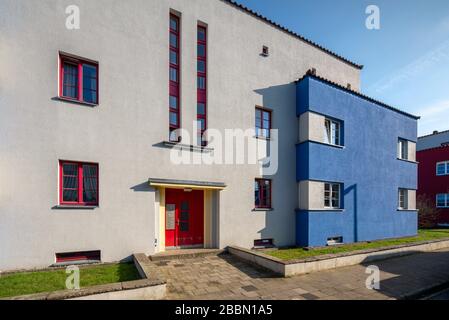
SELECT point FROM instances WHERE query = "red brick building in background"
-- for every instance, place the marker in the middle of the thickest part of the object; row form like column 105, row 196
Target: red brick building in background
column 433, row 176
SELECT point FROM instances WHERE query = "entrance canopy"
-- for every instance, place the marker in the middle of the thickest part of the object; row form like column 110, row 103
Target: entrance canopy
column 186, row 184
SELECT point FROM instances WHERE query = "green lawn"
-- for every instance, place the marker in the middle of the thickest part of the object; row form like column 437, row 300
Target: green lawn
column 44, row 281
column 299, row 253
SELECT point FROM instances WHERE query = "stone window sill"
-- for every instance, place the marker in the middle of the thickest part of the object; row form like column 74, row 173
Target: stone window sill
column 262, row 209
column 68, row 100
column 409, row 161
column 74, row 207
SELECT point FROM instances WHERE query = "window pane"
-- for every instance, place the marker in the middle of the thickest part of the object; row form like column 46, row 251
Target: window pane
column 173, row 118
column 174, row 24
column 327, row 131
column 201, row 66
column 173, row 40
column 70, row 196
column 257, row 193
column 258, row 118
column 201, row 50
column 70, row 81
column 441, row 200
column 201, row 83
column 266, row 116
column 173, row 57
column 173, row 102
column 201, row 108
column 201, row 123
column 173, row 75
column 70, row 169
column 90, row 96
column 441, row 168
column 201, row 34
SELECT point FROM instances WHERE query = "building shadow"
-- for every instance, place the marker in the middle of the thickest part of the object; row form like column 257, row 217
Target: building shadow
column 413, row 275
column 252, row 270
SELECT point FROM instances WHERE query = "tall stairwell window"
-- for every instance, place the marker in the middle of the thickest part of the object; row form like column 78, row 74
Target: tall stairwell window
column 202, row 85
column 174, row 99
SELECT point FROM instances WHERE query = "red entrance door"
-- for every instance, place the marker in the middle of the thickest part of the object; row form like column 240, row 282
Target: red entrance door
column 184, row 218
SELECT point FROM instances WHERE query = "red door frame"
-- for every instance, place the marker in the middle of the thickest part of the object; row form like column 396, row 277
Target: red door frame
column 195, row 222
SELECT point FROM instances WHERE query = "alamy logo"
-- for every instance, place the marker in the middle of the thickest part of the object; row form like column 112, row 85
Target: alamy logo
column 373, row 20
column 373, row 280
column 73, row 279
column 73, row 19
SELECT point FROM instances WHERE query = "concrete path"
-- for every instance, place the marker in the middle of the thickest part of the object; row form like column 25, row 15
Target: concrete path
column 225, row 277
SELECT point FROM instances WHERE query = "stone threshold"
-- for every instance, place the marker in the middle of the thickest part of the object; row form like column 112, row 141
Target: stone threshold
column 287, row 268
column 151, row 286
column 185, row 254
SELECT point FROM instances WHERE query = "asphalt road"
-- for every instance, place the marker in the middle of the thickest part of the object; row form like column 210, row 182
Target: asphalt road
column 443, row 295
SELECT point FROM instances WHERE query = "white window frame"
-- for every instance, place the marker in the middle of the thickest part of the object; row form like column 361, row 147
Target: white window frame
column 446, row 168
column 332, row 137
column 403, row 198
column 402, row 149
column 446, row 196
column 333, row 187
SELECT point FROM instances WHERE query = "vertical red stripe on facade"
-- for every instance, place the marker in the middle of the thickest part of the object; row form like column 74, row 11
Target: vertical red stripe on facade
column 202, row 84
column 174, row 76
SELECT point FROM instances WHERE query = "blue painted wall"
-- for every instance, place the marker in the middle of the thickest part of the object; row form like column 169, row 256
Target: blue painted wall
column 367, row 167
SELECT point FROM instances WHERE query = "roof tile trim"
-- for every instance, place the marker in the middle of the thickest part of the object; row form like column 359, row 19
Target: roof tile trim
column 296, row 35
column 311, row 74
column 434, row 134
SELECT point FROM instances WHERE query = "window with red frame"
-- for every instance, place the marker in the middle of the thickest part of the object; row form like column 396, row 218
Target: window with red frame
column 78, row 80
column 78, row 183
column 202, row 84
column 174, row 103
column 263, row 193
column 263, row 123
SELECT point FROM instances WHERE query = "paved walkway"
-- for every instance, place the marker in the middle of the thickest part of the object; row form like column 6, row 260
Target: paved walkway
column 226, row 278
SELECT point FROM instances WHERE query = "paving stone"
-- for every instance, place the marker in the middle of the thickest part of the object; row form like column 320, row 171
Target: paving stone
column 226, row 278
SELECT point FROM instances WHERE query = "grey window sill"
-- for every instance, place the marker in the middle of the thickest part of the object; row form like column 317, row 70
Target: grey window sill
column 75, row 207
column 407, row 210
column 263, row 138
column 262, row 209
column 409, row 161
column 324, row 144
column 181, row 146
column 68, row 100
column 326, row 210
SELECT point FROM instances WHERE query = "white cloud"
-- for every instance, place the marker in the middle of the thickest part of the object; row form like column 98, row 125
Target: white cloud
column 414, row 69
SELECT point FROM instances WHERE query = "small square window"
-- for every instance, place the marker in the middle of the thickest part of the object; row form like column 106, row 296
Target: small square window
column 403, row 149
column 78, row 183
column 262, row 189
column 332, row 195
column 443, row 168
column 74, row 88
column 332, row 132
column 442, row 200
column 403, row 199
column 263, row 123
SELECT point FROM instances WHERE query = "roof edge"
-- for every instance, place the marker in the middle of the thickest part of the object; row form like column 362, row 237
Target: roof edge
column 312, row 74
column 292, row 33
column 434, row 134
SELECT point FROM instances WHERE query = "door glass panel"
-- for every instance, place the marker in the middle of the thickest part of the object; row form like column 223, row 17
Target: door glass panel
column 184, row 206
column 184, row 215
column 184, row 226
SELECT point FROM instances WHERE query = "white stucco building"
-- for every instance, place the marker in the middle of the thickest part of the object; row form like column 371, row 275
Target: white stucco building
column 87, row 116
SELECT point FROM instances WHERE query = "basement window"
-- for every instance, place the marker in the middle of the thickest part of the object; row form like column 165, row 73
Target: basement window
column 334, row 241
column 79, row 257
column 263, row 243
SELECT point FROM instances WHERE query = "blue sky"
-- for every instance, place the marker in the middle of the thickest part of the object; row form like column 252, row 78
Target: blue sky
column 406, row 61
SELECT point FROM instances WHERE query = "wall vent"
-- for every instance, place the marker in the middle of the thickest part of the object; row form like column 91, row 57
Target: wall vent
column 263, row 243
column 334, row 241
column 265, row 51
column 79, row 257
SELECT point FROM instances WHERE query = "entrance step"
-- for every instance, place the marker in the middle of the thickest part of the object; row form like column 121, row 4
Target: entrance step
column 185, row 254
